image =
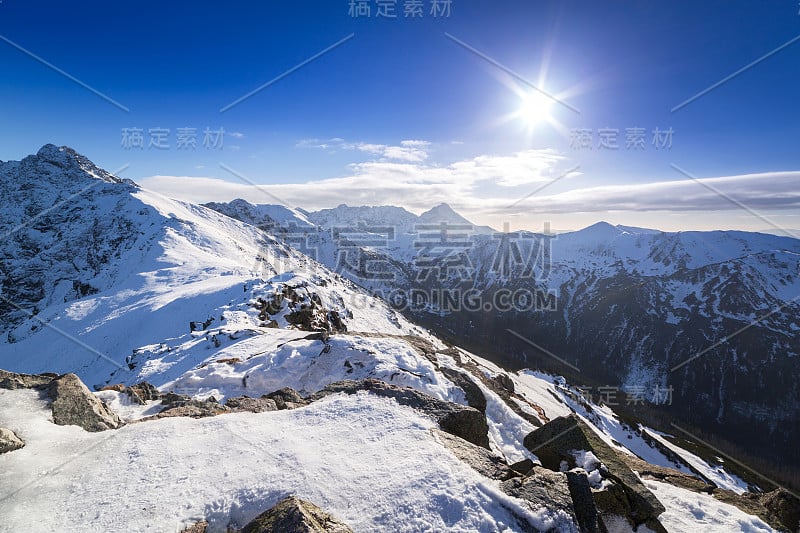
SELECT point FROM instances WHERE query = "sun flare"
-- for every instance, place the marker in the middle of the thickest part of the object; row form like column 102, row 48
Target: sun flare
column 535, row 108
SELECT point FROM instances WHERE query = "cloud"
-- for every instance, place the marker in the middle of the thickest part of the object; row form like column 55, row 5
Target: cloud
column 764, row 191
column 484, row 187
column 236, row 135
column 415, row 185
column 414, row 151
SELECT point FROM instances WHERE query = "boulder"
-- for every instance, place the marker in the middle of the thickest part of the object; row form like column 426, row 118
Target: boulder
column 293, row 515
column 10, row 380
column 9, row 441
column 784, row 506
column 462, row 421
column 252, row 405
column 287, row 398
column 583, row 501
column 74, row 405
column 505, row 381
column 483, row 461
column 542, row 489
column 626, row 495
column 197, row 527
column 142, row 392
column 189, row 408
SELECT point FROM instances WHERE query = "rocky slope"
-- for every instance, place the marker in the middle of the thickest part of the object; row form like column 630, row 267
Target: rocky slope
column 227, row 371
column 703, row 323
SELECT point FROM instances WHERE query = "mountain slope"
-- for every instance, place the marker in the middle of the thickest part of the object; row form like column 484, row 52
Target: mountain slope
column 211, row 310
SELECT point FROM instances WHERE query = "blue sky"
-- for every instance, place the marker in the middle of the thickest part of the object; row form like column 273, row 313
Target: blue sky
column 402, row 114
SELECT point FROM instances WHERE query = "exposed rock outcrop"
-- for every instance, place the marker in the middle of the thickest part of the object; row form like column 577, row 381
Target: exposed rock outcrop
column 473, row 393
column 287, row 398
column 73, row 404
column 252, row 405
column 197, row 527
column 11, row 381
column 623, row 494
column 465, row 422
column 9, row 441
column 293, row 515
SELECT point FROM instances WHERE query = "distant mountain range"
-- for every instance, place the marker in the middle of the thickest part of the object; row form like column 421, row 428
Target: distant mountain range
column 705, row 321
column 346, row 342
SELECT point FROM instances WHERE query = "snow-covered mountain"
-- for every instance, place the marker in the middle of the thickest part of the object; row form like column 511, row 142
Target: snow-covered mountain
column 269, row 375
column 711, row 317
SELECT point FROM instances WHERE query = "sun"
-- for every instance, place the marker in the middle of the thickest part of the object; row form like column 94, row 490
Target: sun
column 535, row 108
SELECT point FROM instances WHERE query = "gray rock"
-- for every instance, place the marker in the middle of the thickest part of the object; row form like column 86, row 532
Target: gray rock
column 465, row 422
column 252, row 405
column 583, row 501
column 74, row 405
column 142, row 392
column 293, row 515
column 784, row 506
column 9, row 441
column 553, row 443
column 480, row 459
column 287, row 398
column 505, row 381
column 473, row 393
column 542, row 489
column 10, row 380
column 197, row 527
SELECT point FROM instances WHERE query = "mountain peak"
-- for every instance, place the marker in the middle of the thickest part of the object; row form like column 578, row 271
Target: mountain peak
column 71, row 163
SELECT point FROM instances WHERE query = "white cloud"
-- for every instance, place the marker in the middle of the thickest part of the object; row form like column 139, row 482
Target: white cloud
column 484, row 187
column 236, row 135
column 767, row 191
column 413, row 151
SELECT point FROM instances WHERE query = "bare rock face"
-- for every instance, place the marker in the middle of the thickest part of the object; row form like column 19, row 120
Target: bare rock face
column 9, row 441
column 197, row 527
column 626, row 496
column 11, row 381
column 293, row 515
column 74, row 405
column 252, row 405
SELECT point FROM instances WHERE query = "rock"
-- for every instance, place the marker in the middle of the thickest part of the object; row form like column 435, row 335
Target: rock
column 784, row 506
column 465, row 422
column 10, row 380
column 627, row 496
column 190, row 408
column 198, row 527
column 293, row 515
column 505, row 381
column 9, row 441
column 583, row 501
column 73, row 404
column 287, row 398
column 473, row 393
column 142, row 393
column 523, row 467
column 252, row 405
column 542, row 489
column 171, row 397
column 480, row 459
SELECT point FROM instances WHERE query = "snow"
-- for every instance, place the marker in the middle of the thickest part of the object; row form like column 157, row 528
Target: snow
column 304, row 365
column 365, row 459
column 507, row 430
column 691, row 511
column 715, row 473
